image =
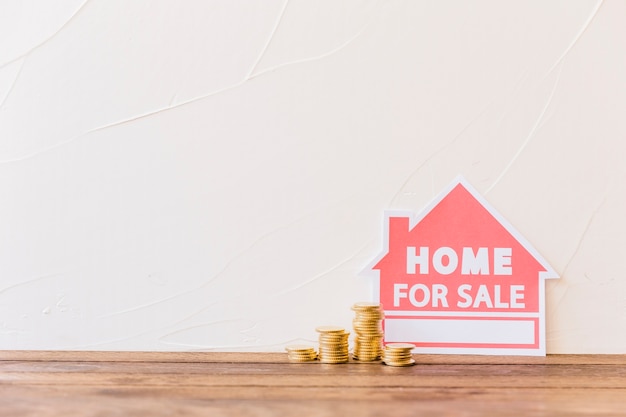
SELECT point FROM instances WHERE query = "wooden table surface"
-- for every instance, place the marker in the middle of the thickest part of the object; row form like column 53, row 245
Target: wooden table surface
column 66, row 384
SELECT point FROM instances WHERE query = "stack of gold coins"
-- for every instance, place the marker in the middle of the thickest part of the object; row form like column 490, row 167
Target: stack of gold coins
column 398, row 354
column 368, row 331
column 301, row 353
column 333, row 344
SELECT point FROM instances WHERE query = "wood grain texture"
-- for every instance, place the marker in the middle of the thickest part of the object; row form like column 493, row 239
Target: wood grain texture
column 266, row 384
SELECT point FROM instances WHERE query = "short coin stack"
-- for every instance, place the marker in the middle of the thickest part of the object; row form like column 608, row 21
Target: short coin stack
column 368, row 331
column 398, row 354
column 301, row 353
column 333, row 344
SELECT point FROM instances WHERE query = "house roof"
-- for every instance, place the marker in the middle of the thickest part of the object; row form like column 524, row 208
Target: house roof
column 463, row 219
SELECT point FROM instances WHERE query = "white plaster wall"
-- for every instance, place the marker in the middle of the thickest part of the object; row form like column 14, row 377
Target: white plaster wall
column 213, row 174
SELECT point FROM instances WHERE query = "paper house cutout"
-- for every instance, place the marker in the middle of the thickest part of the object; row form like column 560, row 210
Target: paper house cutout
column 458, row 278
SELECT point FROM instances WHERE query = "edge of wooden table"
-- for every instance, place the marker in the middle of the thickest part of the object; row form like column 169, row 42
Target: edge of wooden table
column 280, row 357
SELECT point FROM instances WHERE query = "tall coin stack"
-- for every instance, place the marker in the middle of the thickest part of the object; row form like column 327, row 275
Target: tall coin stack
column 398, row 354
column 333, row 344
column 368, row 331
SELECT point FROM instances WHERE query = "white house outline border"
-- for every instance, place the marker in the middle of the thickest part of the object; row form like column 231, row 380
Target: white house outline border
column 415, row 218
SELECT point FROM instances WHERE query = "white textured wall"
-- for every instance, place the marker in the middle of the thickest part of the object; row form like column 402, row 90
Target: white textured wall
column 213, row 174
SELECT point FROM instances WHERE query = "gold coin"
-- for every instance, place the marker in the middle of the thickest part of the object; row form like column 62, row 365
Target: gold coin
column 388, row 359
column 365, row 310
column 406, row 363
column 298, row 348
column 343, row 346
column 366, row 305
column 365, row 320
column 334, row 334
column 327, row 341
column 372, row 353
column 336, row 353
column 333, row 352
column 373, row 310
column 366, row 357
column 368, row 313
column 396, row 357
column 368, row 331
column 367, row 352
column 375, row 336
column 373, row 315
column 400, row 345
column 338, row 338
column 361, row 327
column 368, row 342
column 335, row 338
column 397, row 354
column 330, row 329
column 302, row 352
column 367, row 325
column 376, row 352
column 304, row 355
column 332, row 342
column 370, row 334
column 367, row 328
